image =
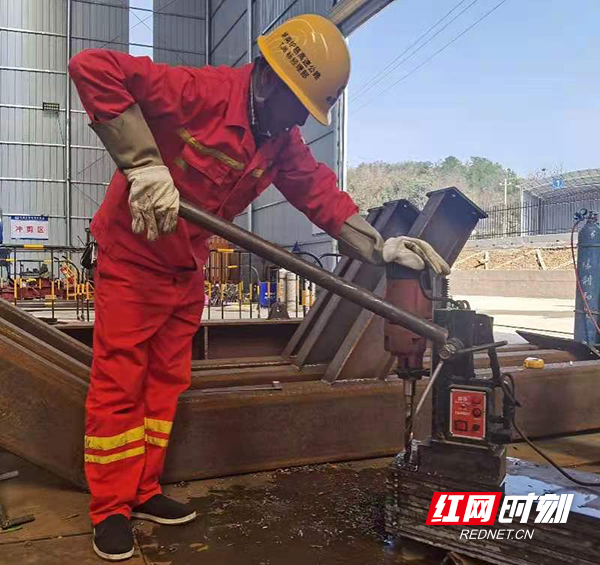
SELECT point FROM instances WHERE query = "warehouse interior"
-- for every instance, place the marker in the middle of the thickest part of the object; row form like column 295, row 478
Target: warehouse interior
column 336, row 407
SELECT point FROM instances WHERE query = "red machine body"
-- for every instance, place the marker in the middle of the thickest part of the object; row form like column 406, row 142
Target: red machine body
column 407, row 346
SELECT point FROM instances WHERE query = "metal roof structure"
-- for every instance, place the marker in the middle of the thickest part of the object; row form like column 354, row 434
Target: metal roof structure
column 563, row 186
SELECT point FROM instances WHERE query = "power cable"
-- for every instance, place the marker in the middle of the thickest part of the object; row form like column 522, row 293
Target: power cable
column 511, row 393
column 379, row 76
column 443, row 48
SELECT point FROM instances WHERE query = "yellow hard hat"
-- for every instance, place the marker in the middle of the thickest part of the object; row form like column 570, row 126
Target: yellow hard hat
column 310, row 55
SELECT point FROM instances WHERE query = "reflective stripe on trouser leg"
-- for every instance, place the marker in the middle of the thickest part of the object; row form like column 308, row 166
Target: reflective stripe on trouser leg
column 113, row 460
column 115, row 446
column 169, row 368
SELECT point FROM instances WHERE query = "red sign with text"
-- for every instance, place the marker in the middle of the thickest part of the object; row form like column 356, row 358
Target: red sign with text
column 463, row 508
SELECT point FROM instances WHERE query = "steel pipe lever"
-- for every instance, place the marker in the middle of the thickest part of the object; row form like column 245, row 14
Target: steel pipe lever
column 321, row 277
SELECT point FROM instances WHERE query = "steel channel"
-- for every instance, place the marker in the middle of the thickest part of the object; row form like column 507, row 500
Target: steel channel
column 41, row 418
column 320, row 277
column 317, row 338
column 26, row 340
column 48, row 334
column 41, row 412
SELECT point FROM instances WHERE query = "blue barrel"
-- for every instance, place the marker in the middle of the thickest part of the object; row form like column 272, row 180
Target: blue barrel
column 588, row 265
column 265, row 299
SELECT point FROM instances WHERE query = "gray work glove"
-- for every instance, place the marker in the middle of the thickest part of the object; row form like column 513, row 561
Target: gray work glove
column 153, row 198
column 153, row 201
column 413, row 253
column 360, row 240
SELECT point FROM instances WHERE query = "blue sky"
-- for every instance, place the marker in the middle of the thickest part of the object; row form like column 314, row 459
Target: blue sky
column 521, row 88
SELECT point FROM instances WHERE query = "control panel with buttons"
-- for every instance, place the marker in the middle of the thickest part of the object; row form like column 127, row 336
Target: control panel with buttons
column 468, row 413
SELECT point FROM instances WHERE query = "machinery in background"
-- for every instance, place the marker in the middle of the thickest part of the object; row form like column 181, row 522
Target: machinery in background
column 48, row 279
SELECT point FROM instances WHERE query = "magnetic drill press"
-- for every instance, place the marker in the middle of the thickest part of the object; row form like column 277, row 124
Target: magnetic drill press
column 470, row 418
column 471, row 414
column 469, row 422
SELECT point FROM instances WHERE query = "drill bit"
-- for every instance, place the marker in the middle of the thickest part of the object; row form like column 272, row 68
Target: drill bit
column 409, row 399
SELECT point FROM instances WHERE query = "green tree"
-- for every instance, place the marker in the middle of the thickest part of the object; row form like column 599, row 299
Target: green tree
column 482, row 180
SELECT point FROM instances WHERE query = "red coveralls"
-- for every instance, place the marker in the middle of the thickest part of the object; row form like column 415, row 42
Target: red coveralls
column 149, row 295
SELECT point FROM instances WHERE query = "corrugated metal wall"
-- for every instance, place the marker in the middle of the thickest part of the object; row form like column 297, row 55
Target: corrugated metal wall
column 180, row 32
column 33, row 63
column 32, row 71
column 96, row 24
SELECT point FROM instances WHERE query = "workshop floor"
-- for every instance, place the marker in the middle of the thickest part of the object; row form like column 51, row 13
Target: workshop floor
column 322, row 514
column 552, row 315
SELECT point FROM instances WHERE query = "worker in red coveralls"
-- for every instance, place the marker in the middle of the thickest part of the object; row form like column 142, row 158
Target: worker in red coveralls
column 219, row 137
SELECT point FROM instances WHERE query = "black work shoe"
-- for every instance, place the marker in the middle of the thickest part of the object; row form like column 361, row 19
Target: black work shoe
column 163, row 510
column 113, row 539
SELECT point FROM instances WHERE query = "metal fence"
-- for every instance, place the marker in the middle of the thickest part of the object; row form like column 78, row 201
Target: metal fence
column 51, row 282
column 541, row 217
column 235, row 287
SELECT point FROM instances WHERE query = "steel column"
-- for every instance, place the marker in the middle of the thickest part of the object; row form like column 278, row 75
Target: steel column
column 250, row 42
column 348, row 15
column 68, row 185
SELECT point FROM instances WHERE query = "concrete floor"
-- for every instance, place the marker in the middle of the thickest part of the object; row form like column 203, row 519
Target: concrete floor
column 322, row 514
column 316, row 514
column 550, row 315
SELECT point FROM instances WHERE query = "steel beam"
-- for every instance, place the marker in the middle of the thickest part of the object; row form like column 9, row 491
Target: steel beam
column 331, row 317
column 40, row 347
column 362, row 352
column 562, row 398
column 253, row 376
column 219, row 339
column 41, row 412
column 48, row 334
column 241, row 433
column 446, row 223
column 349, row 15
column 42, row 415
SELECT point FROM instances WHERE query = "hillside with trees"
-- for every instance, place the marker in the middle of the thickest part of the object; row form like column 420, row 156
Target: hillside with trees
column 482, row 180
